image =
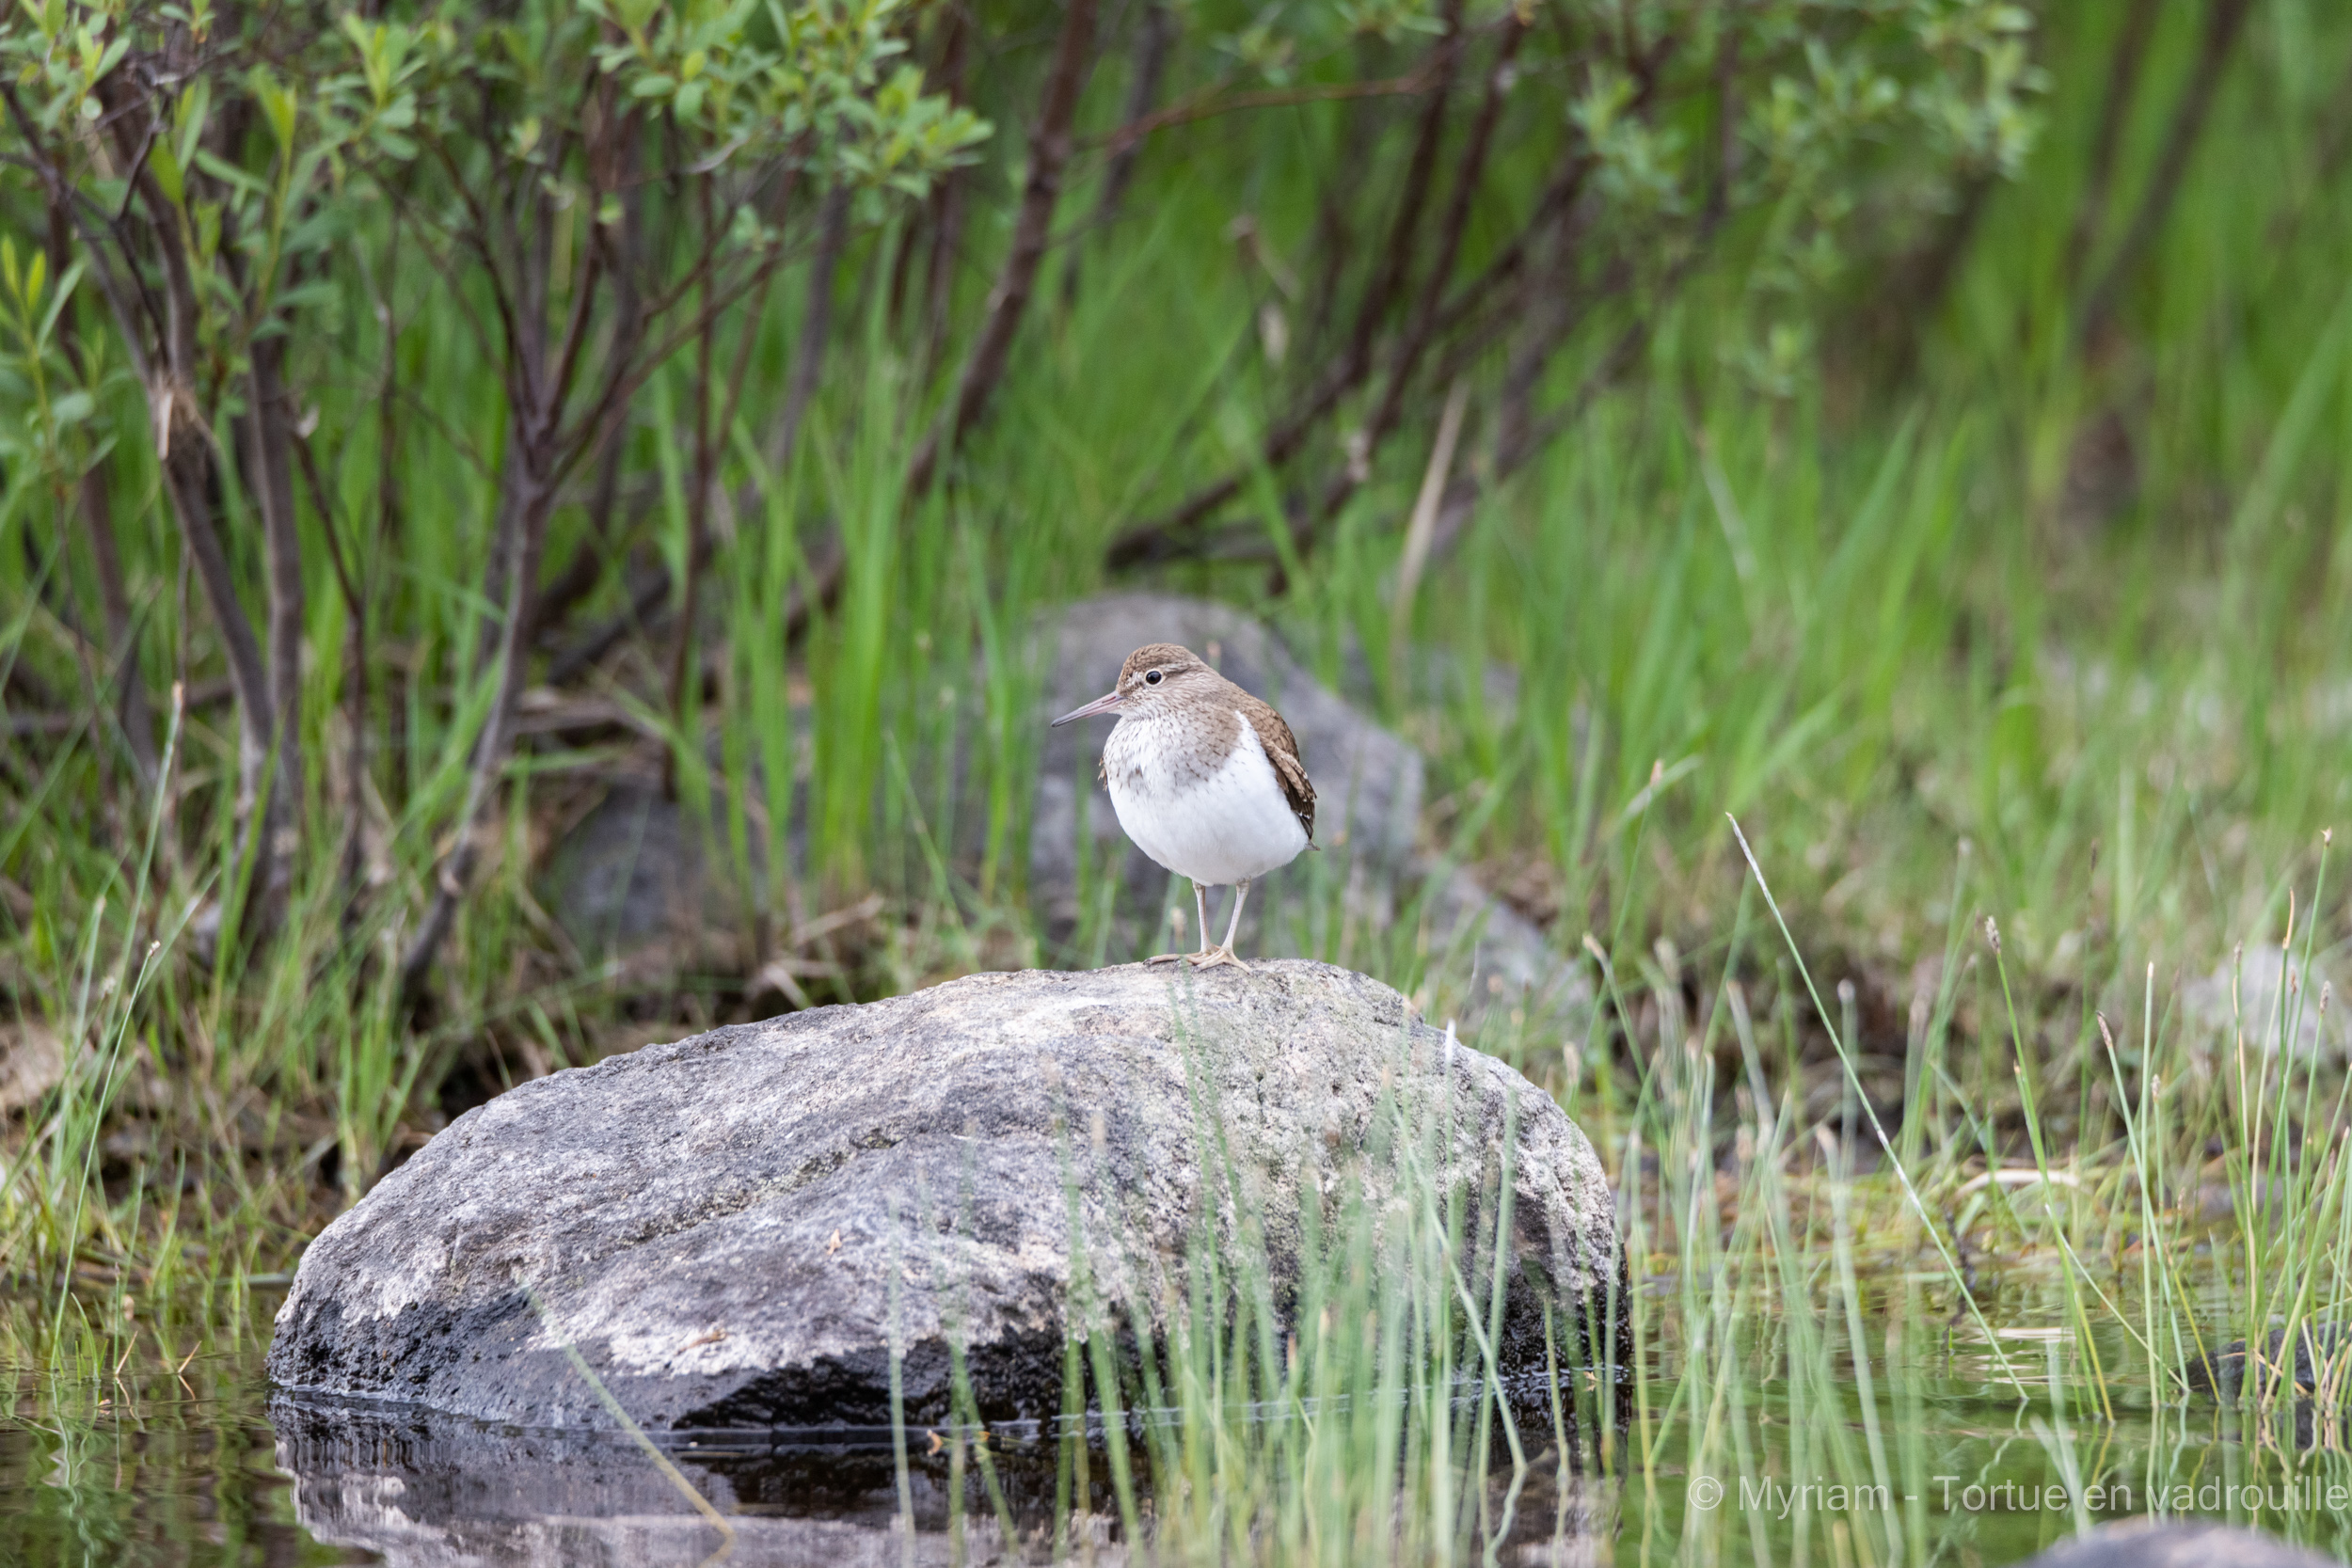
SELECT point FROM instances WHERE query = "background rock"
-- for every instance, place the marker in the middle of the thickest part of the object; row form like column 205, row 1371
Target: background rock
column 1368, row 782
column 731, row 1228
column 32, row 1062
column 1373, row 872
column 2177, row 1544
column 2253, row 976
column 632, row 877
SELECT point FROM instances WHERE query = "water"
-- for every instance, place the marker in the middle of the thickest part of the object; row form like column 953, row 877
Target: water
column 1757, row 1445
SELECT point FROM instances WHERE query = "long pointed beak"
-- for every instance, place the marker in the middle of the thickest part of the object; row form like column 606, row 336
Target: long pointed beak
column 1100, row 705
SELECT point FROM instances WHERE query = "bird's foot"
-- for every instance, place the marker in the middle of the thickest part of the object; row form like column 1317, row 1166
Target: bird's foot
column 1175, row 957
column 1216, row 957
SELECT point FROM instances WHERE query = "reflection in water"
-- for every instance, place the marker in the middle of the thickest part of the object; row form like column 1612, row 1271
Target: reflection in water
column 135, row 1465
column 443, row 1491
column 427, row 1490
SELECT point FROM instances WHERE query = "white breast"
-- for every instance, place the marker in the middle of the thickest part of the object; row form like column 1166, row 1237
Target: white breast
column 1218, row 828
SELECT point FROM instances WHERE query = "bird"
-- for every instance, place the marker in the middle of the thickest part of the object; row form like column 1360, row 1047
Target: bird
column 1205, row 778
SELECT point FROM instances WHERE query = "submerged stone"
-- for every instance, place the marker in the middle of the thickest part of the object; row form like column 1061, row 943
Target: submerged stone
column 736, row 1230
column 2320, row 1359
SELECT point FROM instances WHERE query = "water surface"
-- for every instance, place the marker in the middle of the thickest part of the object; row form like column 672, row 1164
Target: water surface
column 1753, row 1453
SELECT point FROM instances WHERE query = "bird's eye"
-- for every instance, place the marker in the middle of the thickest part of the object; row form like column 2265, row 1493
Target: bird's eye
column 1152, row 677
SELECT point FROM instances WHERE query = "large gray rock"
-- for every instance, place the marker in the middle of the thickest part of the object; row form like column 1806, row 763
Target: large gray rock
column 732, row 1230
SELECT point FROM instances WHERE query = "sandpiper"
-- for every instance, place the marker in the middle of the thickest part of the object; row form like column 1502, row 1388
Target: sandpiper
column 1205, row 778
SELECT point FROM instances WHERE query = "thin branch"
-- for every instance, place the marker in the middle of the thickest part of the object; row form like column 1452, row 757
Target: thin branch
column 2123, row 74
column 269, row 423
column 2224, row 19
column 1049, row 155
column 808, row 350
column 1160, row 538
column 1157, row 540
column 1396, row 256
column 189, row 459
column 628, row 378
column 627, row 242
column 576, row 330
column 62, row 194
column 945, row 209
column 476, row 234
column 114, row 597
column 454, row 874
column 1155, row 39
column 697, row 508
column 355, row 679
column 452, row 281
column 1455, row 224
column 1211, row 102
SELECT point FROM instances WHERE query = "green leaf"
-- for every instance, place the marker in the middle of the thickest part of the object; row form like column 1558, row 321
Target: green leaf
column 319, row 294
column 57, row 300
column 278, row 103
column 324, row 227
column 165, row 165
column 222, row 169
column 189, row 116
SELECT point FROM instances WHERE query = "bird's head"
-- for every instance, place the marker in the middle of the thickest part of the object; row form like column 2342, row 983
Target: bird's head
column 1153, row 675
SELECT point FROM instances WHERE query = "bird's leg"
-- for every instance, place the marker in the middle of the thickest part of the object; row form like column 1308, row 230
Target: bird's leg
column 1200, row 905
column 1224, row 954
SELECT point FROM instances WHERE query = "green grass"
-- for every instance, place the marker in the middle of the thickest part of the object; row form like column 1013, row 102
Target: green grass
column 1868, row 624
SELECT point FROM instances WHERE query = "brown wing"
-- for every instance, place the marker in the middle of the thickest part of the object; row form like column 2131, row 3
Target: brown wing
column 1281, row 749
